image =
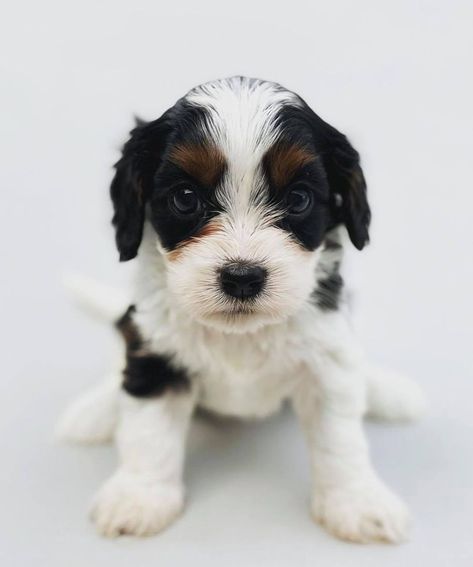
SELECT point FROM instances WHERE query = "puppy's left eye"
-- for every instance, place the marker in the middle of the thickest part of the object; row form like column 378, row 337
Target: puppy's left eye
column 299, row 201
column 185, row 201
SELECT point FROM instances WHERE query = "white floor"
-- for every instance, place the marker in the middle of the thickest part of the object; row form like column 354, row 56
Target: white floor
column 397, row 79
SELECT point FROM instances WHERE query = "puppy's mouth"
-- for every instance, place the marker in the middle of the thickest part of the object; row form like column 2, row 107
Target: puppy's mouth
column 239, row 316
column 240, row 309
column 240, row 312
column 236, row 312
column 236, row 320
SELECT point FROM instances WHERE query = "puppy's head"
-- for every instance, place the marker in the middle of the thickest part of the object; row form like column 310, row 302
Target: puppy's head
column 241, row 182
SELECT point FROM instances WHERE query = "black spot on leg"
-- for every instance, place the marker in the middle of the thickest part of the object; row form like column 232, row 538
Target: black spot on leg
column 147, row 374
column 152, row 375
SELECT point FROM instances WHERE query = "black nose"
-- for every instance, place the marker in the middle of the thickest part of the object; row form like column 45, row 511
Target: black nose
column 242, row 280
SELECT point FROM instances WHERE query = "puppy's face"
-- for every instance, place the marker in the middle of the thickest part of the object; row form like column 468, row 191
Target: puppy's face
column 241, row 182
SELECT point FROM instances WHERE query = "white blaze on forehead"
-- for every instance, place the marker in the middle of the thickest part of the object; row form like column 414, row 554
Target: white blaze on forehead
column 242, row 122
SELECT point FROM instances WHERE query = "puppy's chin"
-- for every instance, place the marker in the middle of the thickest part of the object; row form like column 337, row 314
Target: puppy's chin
column 239, row 322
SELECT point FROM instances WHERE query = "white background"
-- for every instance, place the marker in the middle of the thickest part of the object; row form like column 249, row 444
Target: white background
column 396, row 77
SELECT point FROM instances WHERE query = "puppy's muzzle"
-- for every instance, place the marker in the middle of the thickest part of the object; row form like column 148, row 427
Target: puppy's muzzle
column 242, row 280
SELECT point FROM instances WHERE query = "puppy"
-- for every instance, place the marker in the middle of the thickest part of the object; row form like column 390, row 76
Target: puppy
column 237, row 204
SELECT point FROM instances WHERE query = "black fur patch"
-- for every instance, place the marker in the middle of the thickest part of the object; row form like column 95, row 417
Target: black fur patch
column 338, row 171
column 173, row 231
column 146, row 374
column 328, row 291
column 152, row 375
column 147, row 174
column 309, row 228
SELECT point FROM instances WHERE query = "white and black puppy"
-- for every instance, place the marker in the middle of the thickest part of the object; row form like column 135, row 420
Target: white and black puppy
column 237, row 203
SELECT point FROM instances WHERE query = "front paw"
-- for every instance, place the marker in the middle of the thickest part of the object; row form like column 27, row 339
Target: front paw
column 129, row 504
column 363, row 513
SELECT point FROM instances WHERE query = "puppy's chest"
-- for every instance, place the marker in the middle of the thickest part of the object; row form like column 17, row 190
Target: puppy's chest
column 247, row 378
column 239, row 375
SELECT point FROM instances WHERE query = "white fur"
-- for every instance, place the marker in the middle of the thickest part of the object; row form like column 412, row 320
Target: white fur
column 242, row 113
column 245, row 364
column 146, row 492
column 347, row 496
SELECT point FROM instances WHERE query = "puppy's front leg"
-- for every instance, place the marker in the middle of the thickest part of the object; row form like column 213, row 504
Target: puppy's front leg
column 146, row 492
column 348, row 498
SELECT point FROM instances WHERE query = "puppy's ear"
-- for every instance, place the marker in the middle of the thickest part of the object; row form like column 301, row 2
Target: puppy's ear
column 132, row 183
column 348, row 186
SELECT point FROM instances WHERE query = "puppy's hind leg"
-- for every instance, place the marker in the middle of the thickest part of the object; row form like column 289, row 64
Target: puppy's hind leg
column 393, row 397
column 92, row 419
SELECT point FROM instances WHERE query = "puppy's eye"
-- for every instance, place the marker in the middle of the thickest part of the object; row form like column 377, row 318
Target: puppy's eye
column 185, row 201
column 299, row 201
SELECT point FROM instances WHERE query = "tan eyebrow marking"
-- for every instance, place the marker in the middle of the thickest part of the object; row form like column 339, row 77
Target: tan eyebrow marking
column 204, row 162
column 208, row 229
column 283, row 160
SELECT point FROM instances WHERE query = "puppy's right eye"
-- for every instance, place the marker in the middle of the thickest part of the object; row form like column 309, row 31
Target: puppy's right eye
column 184, row 201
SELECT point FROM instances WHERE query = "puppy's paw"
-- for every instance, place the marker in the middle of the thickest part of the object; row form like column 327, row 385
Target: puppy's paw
column 363, row 513
column 129, row 504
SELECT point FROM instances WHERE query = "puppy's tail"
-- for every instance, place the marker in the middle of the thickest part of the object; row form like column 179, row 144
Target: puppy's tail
column 93, row 417
column 393, row 397
column 100, row 301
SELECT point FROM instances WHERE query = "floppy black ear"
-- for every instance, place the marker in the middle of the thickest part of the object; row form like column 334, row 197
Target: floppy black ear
column 132, row 183
column 348, row 187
